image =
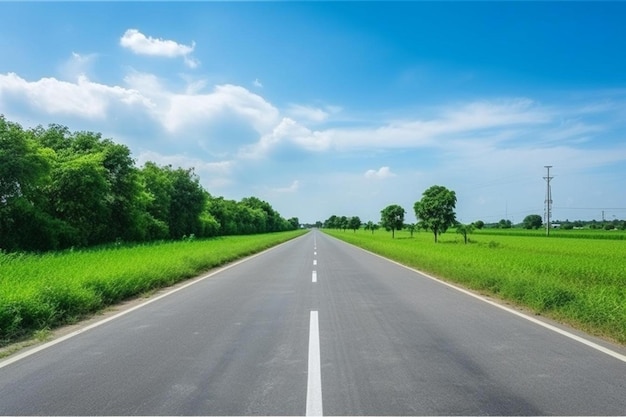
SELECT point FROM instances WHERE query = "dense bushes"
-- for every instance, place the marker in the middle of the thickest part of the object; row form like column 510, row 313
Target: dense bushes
column 60, row 189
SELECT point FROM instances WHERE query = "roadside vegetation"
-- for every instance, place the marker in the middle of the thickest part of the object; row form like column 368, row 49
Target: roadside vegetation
column 62, row 189
column 579, row 279
column 41, row 291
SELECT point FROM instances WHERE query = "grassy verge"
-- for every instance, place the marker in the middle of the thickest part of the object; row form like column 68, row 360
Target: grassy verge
column 578, row 281
column 39, row 292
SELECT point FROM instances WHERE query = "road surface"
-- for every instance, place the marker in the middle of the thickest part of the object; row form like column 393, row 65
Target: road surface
column 312, row 327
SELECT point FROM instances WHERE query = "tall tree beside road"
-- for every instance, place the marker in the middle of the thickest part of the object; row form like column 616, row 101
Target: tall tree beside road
column 435, row 211
column 354, row 223
column 392, row 218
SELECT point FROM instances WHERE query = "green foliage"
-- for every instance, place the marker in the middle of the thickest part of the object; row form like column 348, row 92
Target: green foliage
column 42, row 291
column 463, row 229
column 370, row 225
column 435, row 210
column 354, row 223
column 392, row 218
column 578, row 280
column 532, row 221
column 505, row 224
column 60, row 189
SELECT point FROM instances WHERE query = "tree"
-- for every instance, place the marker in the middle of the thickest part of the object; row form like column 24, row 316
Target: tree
column 370, row 225
column 392, row 218
column 294, row 222
column 344, row 223
column 435, row 210
column 479, row 224
column 505, row 224
column 411, row 228
column 354, row 223
column 464, row 229
column 24, row 174
column 187, row 203
column 532, row 221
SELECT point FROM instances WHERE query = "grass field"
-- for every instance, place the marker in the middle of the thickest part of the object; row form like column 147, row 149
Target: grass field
column 39, row 292
column 581, row 281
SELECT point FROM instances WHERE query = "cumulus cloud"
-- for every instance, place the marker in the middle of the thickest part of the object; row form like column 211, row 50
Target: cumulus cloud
column 381, row 174
column 287, row 132
column 146, row 45
column 84, row 98
column 186, row 110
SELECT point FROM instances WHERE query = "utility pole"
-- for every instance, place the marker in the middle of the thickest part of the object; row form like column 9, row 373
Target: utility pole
column 548, row 208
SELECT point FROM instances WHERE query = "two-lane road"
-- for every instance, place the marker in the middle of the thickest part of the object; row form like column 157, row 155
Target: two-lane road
column 312, row 326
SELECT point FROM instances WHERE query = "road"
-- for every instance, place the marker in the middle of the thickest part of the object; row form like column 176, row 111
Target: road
column 316, row 326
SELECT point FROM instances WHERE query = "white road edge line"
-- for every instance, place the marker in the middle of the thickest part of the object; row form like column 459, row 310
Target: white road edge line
column 314, row 381
column 548, row 326
column 314, row 276
column 20, row 356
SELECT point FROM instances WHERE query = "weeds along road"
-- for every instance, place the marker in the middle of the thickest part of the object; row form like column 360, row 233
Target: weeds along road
column 316, row 326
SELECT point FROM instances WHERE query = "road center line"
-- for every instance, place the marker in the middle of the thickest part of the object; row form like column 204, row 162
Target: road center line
column 314, row 276
column 314, row 261
column 314, row 382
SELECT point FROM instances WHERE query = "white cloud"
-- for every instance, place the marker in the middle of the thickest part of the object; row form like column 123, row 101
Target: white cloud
column 381, row 174
column 77, row 65
column 307, row 113
column 212, row 174
column 185, row 110
column 147, row 45
column 499, row 121
column 84, row 98
column 287, row 132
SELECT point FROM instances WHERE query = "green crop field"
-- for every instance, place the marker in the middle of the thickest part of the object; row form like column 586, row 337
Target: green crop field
column 42, row 291
column 580, row 281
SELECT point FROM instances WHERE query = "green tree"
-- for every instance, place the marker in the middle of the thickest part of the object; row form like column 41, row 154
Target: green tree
column 354, row 223
column 464, row 229
column 294, row 223
column 505, row 224
column 532, row 221
column 392, row 218
column 157, row 184
column 80, row 195
column 187, row 203
column 344, row 223
column 411, row 227
column 24, row 174
column 435, row 210
column 370, row 225
column 479, row 224
column 274, row 222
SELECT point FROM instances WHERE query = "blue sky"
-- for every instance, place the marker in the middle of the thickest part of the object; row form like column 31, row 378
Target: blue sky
column 343, row 108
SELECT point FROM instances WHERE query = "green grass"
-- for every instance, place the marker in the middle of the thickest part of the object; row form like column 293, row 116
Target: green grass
column 562, row 233
column 579, row 281
column 39, row 292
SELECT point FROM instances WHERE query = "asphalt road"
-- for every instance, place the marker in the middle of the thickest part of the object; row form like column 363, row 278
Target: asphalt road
column 313, row 326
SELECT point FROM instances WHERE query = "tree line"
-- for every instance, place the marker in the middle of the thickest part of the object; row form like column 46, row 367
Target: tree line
column 435, row 212
column 60, row 189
